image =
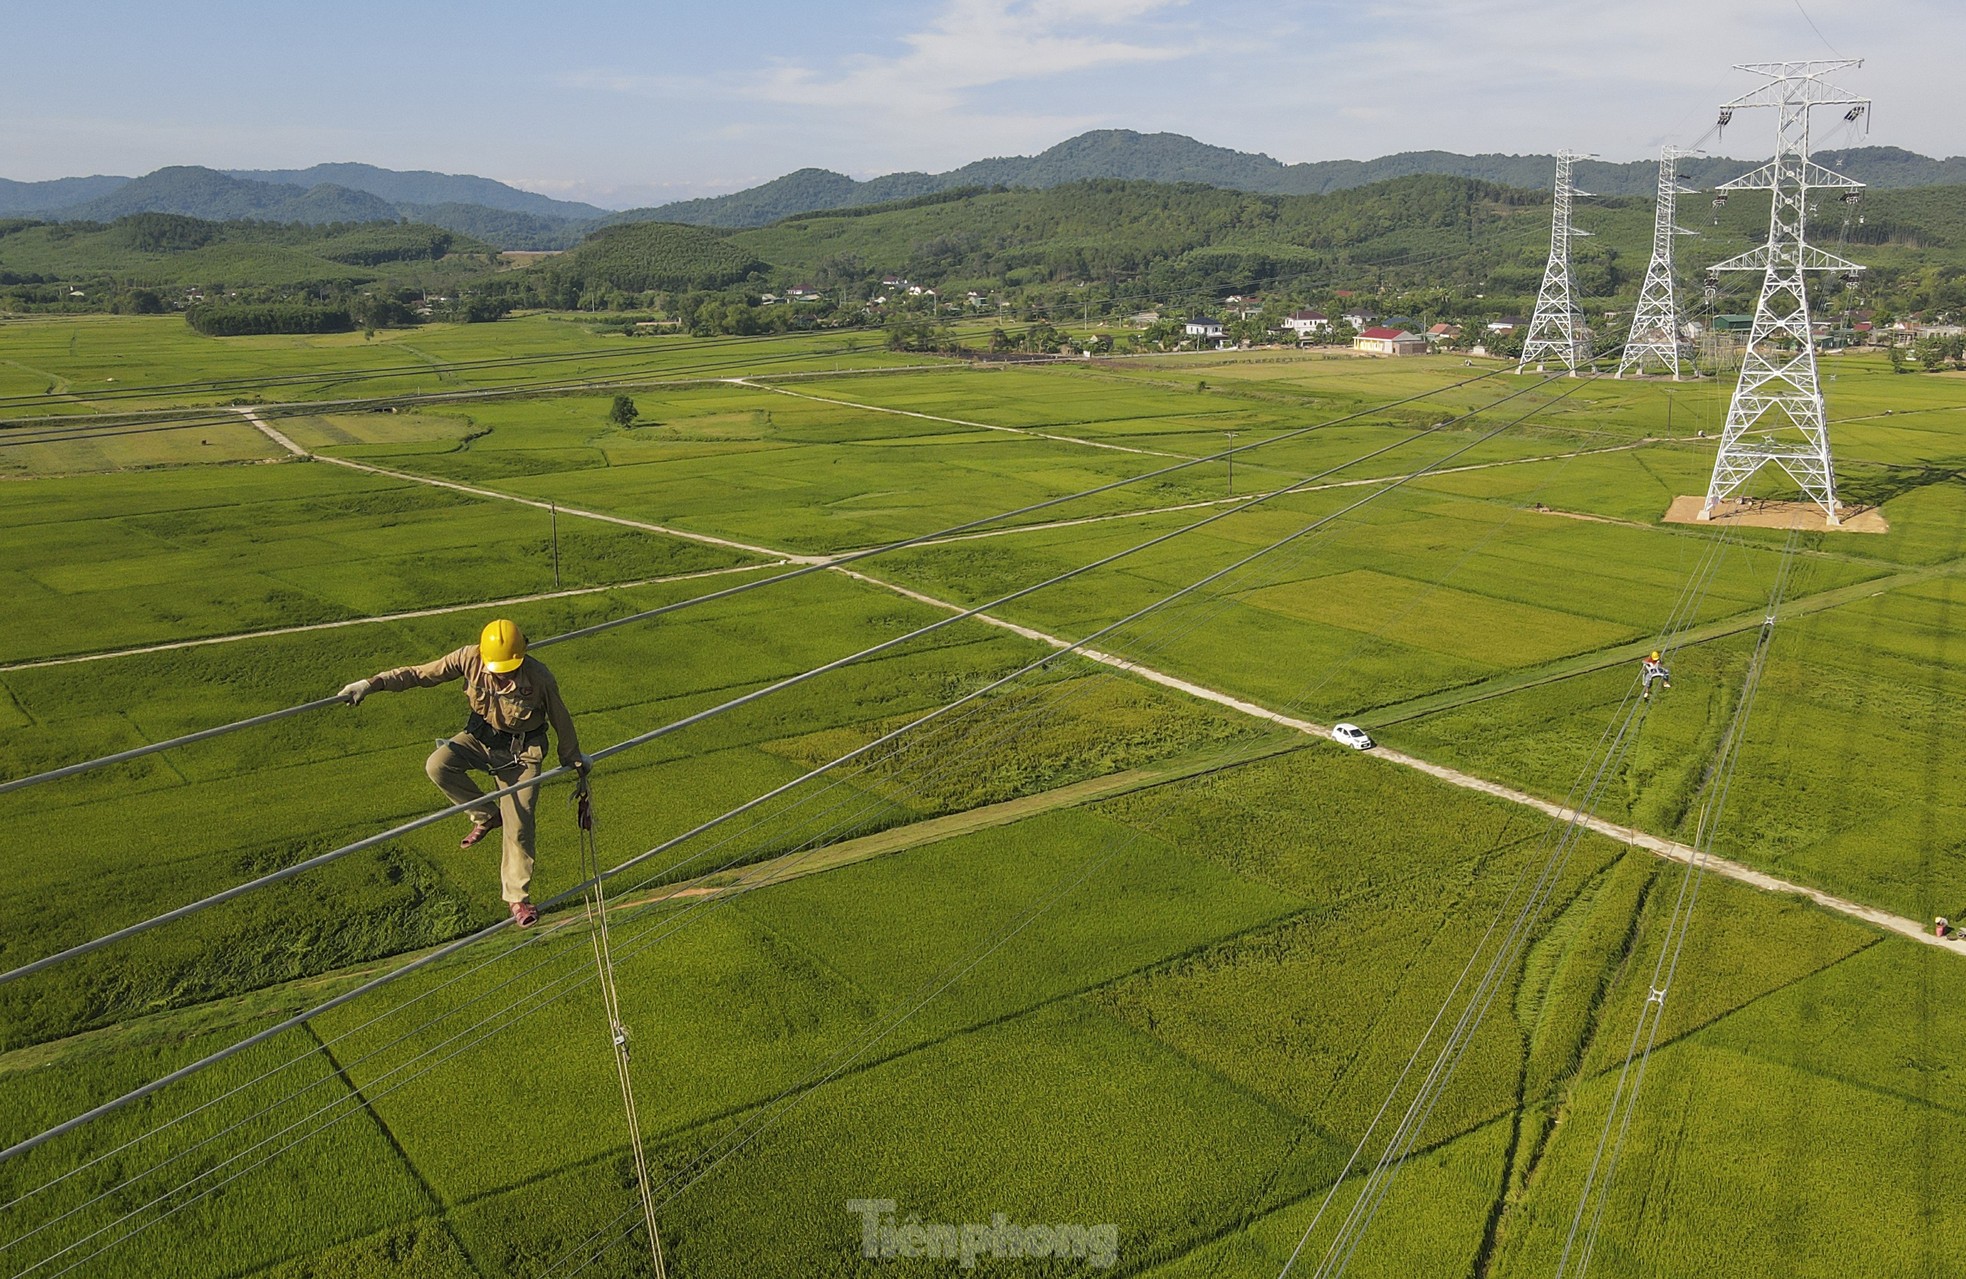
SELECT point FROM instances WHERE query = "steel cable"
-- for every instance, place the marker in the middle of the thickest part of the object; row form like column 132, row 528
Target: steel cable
column 1394, row 484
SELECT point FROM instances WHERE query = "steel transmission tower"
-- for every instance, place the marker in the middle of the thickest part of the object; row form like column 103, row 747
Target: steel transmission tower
column 1655, row 324
column 1557, row 329
column 1778, row 397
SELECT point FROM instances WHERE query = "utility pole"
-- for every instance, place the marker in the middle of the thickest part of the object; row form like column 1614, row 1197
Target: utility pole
column 1655, row 324
column 1778, row 396
column 554, row 510
column 1232, row 462
column 1557, row 329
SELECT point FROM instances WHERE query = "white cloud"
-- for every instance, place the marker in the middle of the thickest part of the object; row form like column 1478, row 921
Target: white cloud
column 979, row 77
column 975, row 44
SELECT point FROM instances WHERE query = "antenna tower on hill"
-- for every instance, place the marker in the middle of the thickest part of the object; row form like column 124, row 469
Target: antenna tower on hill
column 1778, row 398
column 1655, row 334
column 1557, row 331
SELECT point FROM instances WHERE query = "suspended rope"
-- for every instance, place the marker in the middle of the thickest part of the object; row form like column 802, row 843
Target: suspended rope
column 597, row 924
column 1596, row 1193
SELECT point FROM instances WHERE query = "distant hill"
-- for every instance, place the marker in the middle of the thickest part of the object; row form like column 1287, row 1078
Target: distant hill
column 804, row 191
column 503, row 227
column 1183, row 244
column 653, row 255
column 514, row 219
column 18, row 198
column 216, row 197
column 471, row 206
column 1191, row 243
column 161, row 250
column 1172, row 157
column 423, row 187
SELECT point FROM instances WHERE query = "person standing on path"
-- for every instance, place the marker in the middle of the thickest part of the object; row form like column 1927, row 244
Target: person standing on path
column 513, row 699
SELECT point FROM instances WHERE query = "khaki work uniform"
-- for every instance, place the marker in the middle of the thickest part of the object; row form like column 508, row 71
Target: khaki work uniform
column 505, row 737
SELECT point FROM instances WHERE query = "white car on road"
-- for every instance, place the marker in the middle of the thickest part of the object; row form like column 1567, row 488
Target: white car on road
column 1351, row 735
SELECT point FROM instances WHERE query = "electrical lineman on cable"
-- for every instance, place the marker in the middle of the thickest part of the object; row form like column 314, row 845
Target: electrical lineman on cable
column 1653, row 668
column 512, row 699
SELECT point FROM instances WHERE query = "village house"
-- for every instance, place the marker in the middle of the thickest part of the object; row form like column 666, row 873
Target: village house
column 1202, row 327
column 1384, row 341
column 1305, row 323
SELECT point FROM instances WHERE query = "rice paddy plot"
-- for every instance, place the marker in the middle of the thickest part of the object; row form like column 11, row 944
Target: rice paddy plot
column 1186, row 961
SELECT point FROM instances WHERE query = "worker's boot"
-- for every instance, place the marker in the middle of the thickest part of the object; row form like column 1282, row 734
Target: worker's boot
column 480, row 827
column 525, row 914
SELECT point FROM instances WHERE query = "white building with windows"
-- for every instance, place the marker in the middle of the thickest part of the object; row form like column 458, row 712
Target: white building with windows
column 1390, row 342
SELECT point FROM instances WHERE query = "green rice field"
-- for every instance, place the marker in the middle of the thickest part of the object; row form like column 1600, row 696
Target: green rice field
column 1112, row 946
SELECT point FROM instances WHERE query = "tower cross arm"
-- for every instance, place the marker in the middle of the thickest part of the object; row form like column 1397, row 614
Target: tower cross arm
column 1813, row 259
column 1790, row 83
column 1762, row 178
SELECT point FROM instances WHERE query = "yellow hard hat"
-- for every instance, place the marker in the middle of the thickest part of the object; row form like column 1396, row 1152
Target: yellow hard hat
column 522, row 649
column 502, row 646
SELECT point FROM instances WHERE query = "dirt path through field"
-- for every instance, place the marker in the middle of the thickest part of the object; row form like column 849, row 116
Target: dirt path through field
column 573, row 511
column 1669, row 849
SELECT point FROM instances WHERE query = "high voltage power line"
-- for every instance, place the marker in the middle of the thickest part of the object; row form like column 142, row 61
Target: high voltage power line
column 830, row 562
column 654, row 734
column 1194, row 586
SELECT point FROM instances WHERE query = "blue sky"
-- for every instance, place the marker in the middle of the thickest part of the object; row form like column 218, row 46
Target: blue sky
column 633, row 103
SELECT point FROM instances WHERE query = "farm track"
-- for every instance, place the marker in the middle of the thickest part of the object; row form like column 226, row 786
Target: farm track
column 706, row 539
column 289, row 997
column 572, row 592
column 798, row 865
column 1671, row 850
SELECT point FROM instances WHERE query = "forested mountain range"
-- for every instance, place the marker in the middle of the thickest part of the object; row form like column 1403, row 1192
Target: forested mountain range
column 515, row 219
column 423, row 188
column 1171, row 157
column 1187, row 244
column 1468, row 247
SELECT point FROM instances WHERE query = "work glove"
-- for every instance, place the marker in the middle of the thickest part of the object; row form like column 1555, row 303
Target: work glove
column 582, row 764
column 354, row 693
